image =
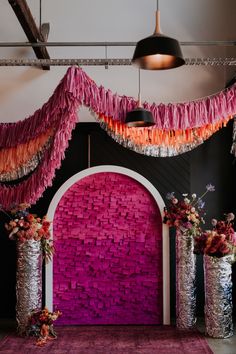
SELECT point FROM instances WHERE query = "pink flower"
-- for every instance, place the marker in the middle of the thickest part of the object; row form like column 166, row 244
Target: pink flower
column 21, row 223
column 230, row 217
column 213, row 222
column 174, row 200
column 233, row 239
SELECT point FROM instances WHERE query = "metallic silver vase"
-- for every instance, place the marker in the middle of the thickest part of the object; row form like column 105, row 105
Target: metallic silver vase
column 218, row 296
column 185, row 280
column 28, row 281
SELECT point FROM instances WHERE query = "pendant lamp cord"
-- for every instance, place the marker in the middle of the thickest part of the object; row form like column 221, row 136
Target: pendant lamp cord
column 106, row 61
column 89, row 150
column 139, row 89
column 157, row 28
column 40, row 14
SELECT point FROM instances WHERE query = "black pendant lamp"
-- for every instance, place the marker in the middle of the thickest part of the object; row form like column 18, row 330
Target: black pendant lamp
column 158, row 52
column 139, row 117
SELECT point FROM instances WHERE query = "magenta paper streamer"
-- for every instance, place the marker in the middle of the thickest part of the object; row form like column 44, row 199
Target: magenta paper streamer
column 77, row 88
column 107, row 268
column 60, row 112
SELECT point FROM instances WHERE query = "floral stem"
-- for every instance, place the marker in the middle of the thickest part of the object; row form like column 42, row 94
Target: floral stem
column 203, row 195
column 4, row 212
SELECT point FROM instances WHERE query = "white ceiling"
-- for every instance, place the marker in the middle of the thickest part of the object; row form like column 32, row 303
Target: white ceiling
column 25, row 89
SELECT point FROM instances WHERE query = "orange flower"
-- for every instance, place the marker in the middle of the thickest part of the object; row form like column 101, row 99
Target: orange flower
column 27, row 226
column 12, row 223
column 30, row 217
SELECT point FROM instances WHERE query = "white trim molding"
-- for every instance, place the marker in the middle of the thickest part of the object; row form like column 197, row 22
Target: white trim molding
column 165, row 230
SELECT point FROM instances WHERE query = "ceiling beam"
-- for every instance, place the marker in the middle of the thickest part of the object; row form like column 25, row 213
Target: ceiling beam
column 24, row 15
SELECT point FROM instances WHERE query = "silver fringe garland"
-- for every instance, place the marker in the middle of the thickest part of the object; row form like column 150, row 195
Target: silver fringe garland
column 185, row 280
column 148, row 150
column 28, row 281
column 218, row 296
column 28, row 167
column 23, row 170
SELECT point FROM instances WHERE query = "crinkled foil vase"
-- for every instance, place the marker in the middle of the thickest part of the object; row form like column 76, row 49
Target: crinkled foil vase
column 28, row 281
column 185, row 280
column 218, row 296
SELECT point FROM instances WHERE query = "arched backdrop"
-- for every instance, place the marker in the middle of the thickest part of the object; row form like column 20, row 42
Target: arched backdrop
column 112, row 251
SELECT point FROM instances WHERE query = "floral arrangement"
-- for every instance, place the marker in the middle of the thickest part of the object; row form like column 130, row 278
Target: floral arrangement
column 187, row 213
column 25, row 226
column 40, row 325
column 220, row 241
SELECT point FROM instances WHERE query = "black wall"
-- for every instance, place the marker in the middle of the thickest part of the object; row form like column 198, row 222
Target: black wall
column 189, row 172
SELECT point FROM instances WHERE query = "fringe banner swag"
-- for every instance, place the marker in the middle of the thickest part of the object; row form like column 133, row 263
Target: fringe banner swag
column 33, row 148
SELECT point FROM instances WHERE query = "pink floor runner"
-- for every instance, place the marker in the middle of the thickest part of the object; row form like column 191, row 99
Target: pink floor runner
column 112, row 340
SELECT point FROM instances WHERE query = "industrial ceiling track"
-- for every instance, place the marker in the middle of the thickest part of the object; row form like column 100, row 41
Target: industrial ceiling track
column 109, row 62
column 47, row 62
column 110, row 44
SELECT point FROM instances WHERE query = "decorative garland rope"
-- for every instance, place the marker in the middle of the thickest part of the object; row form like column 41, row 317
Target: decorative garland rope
column 83, row 90
column 169, row 117
column 12, row 134
column 179, row 127
column 13, row 158
column 147, row 136
column 32, row 188
column 25, row 169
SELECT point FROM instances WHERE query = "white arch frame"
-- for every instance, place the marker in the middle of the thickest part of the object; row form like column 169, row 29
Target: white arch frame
column 165, row 230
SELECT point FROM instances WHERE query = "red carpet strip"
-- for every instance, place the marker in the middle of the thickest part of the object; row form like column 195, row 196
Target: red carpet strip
column 112, row 340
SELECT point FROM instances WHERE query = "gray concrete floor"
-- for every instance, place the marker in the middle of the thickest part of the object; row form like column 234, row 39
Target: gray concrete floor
column 218, row 346
column 223, row 346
